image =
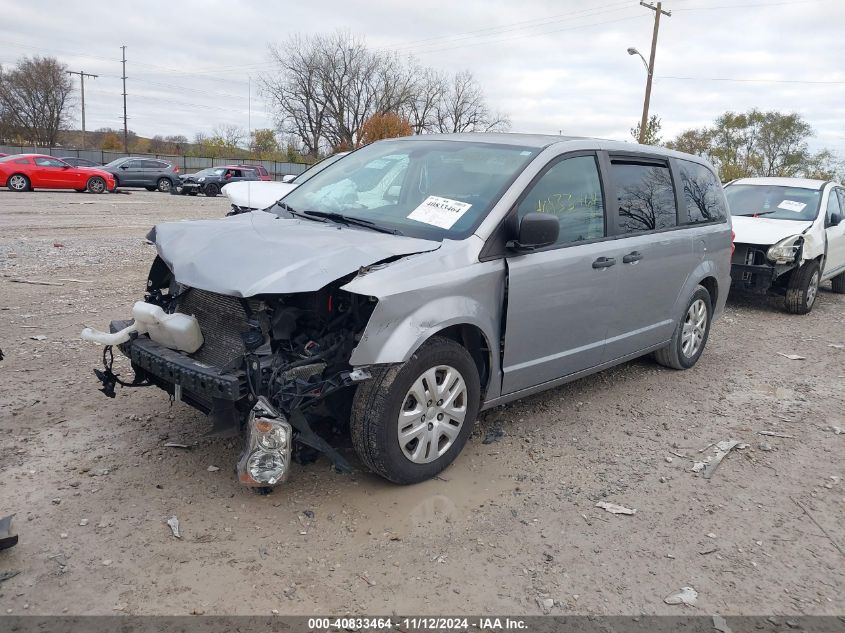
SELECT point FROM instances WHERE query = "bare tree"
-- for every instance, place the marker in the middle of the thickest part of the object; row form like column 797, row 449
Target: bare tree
column 464, row 108
column 325, row 87
column 35, row 98
column 230, row 135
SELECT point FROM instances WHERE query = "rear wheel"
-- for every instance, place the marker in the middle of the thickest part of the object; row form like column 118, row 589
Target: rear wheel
column 19, row 182
column 211, row 190
column 838, row 283
column 164, row 185
column 803, row 288
column 96, row 184
column 690, row 334
column 410, row 421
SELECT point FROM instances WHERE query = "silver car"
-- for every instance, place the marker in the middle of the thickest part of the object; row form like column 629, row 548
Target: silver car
column 419, row 281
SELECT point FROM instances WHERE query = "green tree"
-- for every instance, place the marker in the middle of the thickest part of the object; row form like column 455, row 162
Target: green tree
column 263, row 143
column 652, row 131
column 757, row 143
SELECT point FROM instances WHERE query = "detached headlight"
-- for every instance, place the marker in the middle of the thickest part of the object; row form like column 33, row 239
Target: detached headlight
column 785, row 251
column 267, row 455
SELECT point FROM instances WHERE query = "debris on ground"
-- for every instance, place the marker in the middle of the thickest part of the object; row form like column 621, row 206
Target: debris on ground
column 545, row 604
column 837, row 430
column 721, row 625
column 792, row 356
column 776, row 434
column 38, row 337
column 686, row 596
column 493, row 435
column 367, row 580
column 175, row 445
column 836, row 345
column 614, row 508
column 173, row 522
column 765, row 446
column 7, row 539
column 819, row 525
column 711, row 463
column 36, row 282
column 213, row 469
column 5, row 575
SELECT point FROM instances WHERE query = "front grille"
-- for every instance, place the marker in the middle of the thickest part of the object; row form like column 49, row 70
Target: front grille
column 749, row 255
column 222, row 319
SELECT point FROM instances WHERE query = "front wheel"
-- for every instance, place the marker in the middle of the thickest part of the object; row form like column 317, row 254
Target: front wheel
column 410, row 421
column 96, row 185
column 690, row 335
column 163, row 185
column 18, row 182
column 803, row 288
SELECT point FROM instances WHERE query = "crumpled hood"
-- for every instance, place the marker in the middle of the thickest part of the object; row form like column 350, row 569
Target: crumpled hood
column 257, row 194
column 765, row 231
column 259, row 253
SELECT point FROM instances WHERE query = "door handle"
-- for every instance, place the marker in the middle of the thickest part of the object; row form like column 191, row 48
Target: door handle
column 632, row 257
column 604, row 262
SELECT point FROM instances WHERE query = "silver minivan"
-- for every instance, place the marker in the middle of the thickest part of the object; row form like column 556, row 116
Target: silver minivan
column 419, row 281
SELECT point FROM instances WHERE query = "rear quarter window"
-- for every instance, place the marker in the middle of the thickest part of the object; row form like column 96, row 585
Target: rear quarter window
column 645, row 196
column 703, row 194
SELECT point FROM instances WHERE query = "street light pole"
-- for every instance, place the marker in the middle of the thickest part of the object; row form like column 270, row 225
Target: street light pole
column 658, row 10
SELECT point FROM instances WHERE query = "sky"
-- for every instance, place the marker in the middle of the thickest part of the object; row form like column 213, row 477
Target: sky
column 552, row 65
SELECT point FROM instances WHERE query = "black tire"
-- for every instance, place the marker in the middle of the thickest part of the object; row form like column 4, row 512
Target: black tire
column 150, row 188
column 211, row 190
column 803, row 288
column 19, row 182
column 673, row 355
column 96, row 184
column 838, row 284
column 193, row 192
column 378, row 402
column 164, row 185
column 79, row 190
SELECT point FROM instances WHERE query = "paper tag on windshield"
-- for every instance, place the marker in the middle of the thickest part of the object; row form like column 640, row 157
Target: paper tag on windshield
column 438, row 211
column 792, row 205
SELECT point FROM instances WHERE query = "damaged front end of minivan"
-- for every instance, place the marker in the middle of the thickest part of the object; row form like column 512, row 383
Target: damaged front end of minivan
column 268, row 356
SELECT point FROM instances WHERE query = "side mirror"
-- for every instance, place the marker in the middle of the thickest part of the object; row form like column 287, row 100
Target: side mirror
column 288, row 178
column 124, row 166
column 835, row 219
column 536, row 231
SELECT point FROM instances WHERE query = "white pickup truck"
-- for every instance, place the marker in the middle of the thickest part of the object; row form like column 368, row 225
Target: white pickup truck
column 790, row 237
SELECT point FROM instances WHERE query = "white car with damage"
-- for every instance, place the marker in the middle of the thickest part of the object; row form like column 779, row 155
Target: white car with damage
column 258, row 195
column 789, row 238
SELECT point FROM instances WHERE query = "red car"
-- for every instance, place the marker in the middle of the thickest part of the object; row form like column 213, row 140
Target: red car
column 25, row 172
column 262, row 172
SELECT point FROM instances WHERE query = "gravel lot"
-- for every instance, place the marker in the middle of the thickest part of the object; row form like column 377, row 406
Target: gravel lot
column 512, row 523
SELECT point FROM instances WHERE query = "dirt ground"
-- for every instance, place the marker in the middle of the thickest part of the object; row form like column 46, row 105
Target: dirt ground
column 512, row 523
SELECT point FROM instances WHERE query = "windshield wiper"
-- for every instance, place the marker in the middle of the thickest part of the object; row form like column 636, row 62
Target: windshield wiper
column 756, row 213
column 345, row 219
column 294, row 212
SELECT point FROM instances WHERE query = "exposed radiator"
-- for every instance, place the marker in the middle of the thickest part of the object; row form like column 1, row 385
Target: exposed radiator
column 222, row 319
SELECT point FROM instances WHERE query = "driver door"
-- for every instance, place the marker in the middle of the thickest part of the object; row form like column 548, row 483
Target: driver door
column 835, row 235
column 48, row 172
column 560, row 298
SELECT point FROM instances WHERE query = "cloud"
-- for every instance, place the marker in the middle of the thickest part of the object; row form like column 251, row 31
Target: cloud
column 550, row 65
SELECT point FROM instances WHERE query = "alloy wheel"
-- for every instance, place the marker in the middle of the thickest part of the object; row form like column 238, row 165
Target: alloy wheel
column 17, row 182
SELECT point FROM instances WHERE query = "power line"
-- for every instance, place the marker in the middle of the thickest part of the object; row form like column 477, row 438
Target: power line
column 82, row 76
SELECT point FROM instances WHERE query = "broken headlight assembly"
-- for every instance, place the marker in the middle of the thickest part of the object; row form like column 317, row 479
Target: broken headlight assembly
column 267, row 452
column 786, row 251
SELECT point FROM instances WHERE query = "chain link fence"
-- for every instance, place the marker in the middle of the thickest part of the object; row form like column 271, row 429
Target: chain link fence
column 186, row 164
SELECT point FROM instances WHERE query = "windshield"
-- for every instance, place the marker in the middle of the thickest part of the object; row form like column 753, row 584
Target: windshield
column 115, row 162
column 6, row 159
column 432, row 189
column 315, row 169
column 773, row 201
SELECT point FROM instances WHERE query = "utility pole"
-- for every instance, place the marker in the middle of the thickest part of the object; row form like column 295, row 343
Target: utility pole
column 82, row 76
column 658, row 10
column 125, row 128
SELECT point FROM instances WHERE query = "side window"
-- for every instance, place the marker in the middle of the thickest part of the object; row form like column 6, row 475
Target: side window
column 645, row 196
column 833, row 205
column 22, row 161
column 48, row 162
column 570, row 190
column 133, row 164
column 702, row 193
column 841, row 193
